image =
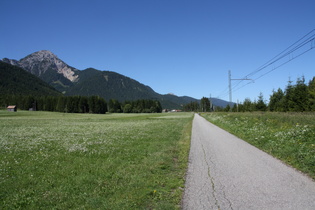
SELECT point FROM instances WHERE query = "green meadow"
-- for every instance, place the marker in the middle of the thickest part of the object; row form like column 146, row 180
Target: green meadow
column 289, row 137
column 85, row 161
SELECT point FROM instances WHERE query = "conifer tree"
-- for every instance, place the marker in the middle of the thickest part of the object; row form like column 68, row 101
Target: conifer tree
column 234, row 109
column 289, row 97
column 260, row 104
column 205, row 104
column 247, row 105
column 311, row 90
column 61, row 104
column 301, row 96
column 276, row 101
column 227, row 108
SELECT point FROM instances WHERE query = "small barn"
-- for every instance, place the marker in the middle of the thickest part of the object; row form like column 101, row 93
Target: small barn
column 12, row 108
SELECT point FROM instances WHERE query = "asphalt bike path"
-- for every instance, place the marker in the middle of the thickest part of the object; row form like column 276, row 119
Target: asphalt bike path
column 225, row 172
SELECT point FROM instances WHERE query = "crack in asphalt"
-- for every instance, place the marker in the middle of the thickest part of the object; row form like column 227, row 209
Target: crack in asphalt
column 230, row 203
column 213, row 182
column 211, row 179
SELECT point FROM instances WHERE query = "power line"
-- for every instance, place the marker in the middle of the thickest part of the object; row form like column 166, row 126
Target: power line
column 275, row 58
column 292, row 58
column 308, row 38
column 285, row 63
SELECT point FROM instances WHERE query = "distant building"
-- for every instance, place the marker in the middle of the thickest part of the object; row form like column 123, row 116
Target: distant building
column 176, row 110
column 12, row 108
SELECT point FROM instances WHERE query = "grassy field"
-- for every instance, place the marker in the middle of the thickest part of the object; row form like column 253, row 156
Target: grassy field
column 84, row 161
column 288, row 136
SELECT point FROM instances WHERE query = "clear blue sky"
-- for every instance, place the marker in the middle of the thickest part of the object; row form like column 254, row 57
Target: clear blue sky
column 185, row 47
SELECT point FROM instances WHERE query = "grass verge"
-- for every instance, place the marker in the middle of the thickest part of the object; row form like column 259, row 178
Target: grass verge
column 289, row 137
column 70, row 161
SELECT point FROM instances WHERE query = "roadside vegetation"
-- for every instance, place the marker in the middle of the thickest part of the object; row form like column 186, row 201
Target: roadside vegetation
column 289, row 137
column 52, row 160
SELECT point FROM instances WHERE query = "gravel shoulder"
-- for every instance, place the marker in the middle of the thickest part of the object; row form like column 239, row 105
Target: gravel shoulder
column 225, row 172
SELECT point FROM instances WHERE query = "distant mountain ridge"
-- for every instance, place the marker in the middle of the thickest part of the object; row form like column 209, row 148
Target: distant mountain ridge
column 107, row 84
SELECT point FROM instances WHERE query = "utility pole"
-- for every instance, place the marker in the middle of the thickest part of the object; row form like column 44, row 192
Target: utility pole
column 230, row 86
column 210, row 103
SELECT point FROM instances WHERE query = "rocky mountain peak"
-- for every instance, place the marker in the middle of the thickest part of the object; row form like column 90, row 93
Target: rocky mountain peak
column 38, row 63
column 42, row 55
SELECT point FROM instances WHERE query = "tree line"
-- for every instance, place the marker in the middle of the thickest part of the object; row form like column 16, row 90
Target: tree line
column 194, row 106
column 137, row 106
column 299, row 97
column 79, row 104
column 68, row 104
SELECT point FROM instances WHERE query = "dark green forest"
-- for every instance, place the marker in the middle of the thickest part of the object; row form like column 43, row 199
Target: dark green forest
column 79, row 104
column 68, row 104
column 137, row 106
column 15, row 80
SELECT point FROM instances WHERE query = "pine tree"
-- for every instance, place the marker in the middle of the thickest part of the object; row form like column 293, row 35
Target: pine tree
column 158, row 106
column 83, row 104
column 205, row 104
column 260, row 104
column 289, row 97
column 61, row 104
column 301, row 96
column 247, row 105
column 276, row 101
column 102, row 105
column 227, row 108
column 311, row 90
column 92, row 104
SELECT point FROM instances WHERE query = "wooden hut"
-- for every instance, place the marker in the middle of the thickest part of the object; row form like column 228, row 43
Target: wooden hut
column 12, row 108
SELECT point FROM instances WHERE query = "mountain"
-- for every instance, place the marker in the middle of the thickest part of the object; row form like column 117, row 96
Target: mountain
column 221, row 103
column 47, row 66
column 15, row 80
column 110, row 85
column 107, row 84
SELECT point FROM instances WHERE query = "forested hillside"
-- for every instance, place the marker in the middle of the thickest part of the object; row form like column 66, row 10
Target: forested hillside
column 109, row 85
column 15, row 80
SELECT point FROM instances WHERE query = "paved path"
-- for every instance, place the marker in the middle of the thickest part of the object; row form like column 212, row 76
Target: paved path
column 224, row 172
